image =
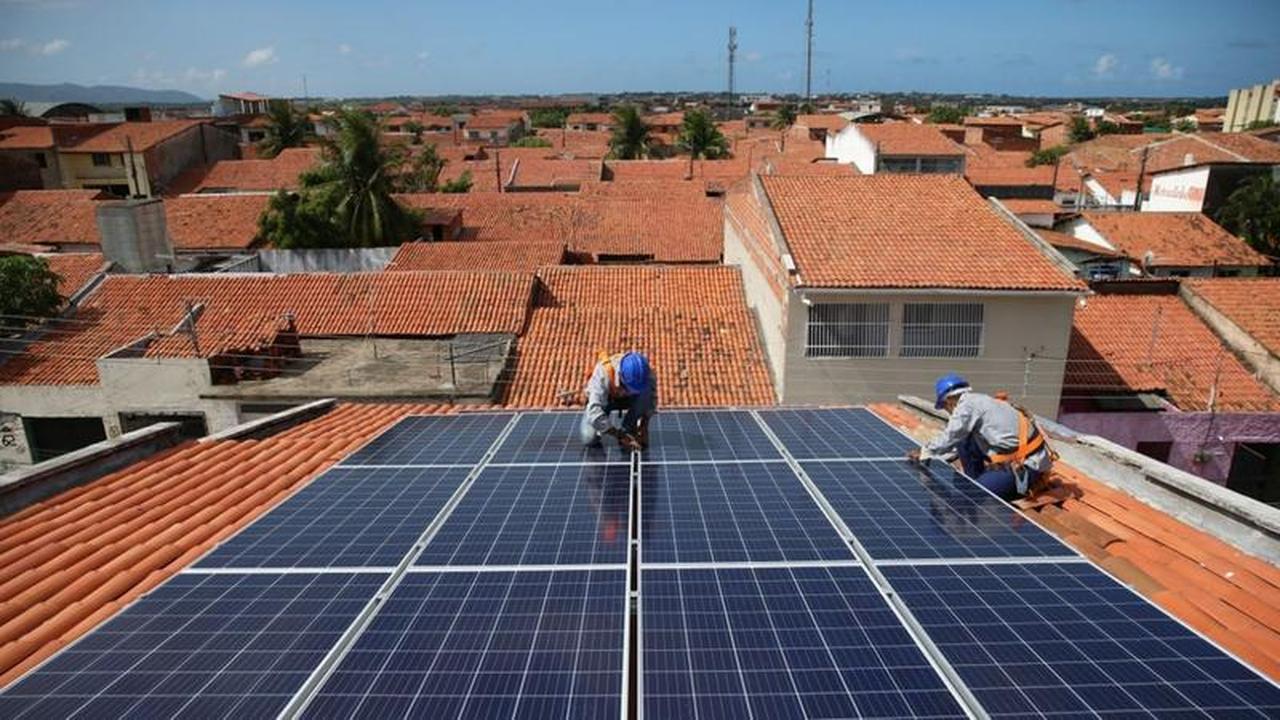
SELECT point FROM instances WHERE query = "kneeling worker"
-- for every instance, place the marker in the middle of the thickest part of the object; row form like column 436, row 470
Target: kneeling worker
column 998, row 444
column 621, row 383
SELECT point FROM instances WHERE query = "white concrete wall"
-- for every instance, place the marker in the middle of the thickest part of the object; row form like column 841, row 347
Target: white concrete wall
column 1178, row 191
column 851, row 146
column 1083, row 230
column 763, row 299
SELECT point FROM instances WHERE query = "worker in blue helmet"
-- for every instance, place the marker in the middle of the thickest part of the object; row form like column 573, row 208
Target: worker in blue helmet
column 623, row 384
column 997, row 443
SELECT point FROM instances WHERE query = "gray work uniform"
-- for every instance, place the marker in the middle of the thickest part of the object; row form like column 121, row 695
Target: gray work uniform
column 600, row 406
column 991, row 424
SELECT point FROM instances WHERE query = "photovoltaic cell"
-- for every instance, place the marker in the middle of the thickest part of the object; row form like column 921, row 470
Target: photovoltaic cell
column 346, row 517
column 538, row 515
column 433, row 440
column 835, row 433
column 708, row 435
column 780, row 643
column 531, row 644
column 734, row 512
column 200, row 645
column 1068, row 640
column 900, row 510
column 553, row 438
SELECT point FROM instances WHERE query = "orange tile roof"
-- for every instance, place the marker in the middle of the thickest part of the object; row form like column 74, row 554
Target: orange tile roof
column 693, row 323
column 894, row 231
column 511, row 256
column 26, row 137
column 1019, row 206
column 1122, row 344
column 126, row 308
column 1212, row 586
column 1174, row 239
column 645, row 170
column 909, row 139
column 822, row 122
column 646, row 189
column 1065, row 240
column 787, row 166
column 49, row 217
column 75, row 270
column 280, row 172
column 1123, row 153
column 141, row 136
column 602, row 118
column 214, row 222
column 994, row 121
column 534, row 172
column 577, row 143
column 495, row 119
column 1251, row 303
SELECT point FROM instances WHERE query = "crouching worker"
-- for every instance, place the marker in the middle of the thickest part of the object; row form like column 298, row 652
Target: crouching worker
column 998, row 444
column 622, row 383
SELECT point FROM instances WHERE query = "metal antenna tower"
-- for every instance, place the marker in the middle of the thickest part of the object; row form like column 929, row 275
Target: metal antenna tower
column 808, row 55
column 733, row 56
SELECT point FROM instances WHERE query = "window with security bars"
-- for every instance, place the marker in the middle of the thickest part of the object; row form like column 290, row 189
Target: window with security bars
column 941, row 330
column 848, row 330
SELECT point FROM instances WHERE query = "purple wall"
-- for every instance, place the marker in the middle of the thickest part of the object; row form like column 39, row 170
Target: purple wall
column 1213, row 435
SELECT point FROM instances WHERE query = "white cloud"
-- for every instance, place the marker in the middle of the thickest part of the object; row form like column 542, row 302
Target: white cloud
column 424, row 55
column 207, row 77
column 1162, row 69
column 53, row 47
column 9, row 44
column 754, row 56
column 344, row 49
column 1105, row 65
column 261, row 56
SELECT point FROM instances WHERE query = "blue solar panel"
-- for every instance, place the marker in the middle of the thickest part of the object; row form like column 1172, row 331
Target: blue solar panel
column 836, row 433
column 553, row 438
column 346, row 517
column 780, row 643
column 433, row 440
column 531, row 644
column 1068, row 640
column 538, row 515
column 735, row 512
column 708, row 435
column 900, row 510
column 199, row 645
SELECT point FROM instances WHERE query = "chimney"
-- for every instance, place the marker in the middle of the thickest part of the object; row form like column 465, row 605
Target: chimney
column 135, row 235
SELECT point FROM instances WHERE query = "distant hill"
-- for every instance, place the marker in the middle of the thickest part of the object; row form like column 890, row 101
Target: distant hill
column 96, row 94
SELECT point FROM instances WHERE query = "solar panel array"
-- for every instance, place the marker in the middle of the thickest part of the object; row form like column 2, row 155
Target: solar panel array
column 786, row 563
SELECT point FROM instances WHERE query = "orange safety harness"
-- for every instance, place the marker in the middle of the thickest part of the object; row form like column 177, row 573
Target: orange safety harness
column 610, row 367
column 1028, row 445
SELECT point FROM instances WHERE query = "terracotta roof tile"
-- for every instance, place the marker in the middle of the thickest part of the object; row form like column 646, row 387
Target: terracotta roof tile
column 75, row 270
column 1174, row 239
column 140, row 135
column 1122, row 344
column 1019, row 206
column 49, row 217
column 908, row 139
column 214, row 222
column 582, row 118
column 535, row 172
column 495, row 119
column 904, row 231
column 280, row 172
column 511, row 256
column 577, row 143
column 824, row 121
column 1253, row 304
column 26, row 137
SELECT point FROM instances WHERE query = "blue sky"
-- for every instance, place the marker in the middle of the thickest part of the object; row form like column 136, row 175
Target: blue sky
column 1042, row 47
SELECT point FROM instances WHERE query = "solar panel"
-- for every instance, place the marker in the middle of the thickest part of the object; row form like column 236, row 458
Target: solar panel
column 734, row 512
column 553, row 438
column 212, row 645
column 1066, row 639
column 536, row 644
column 538, row 515
column 780, row 643
column 900, row 510
column 707, row 435
column 836, row 433
column 433, row 440
column 346, row 517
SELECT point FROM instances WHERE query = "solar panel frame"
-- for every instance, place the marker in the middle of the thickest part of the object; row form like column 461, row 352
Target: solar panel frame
column 1017, row 634
column 835, row 433
column 536, row 515
column 412, row 440
column 202, row 639
column 720, row 436
column 559, row 442
column 480, row 651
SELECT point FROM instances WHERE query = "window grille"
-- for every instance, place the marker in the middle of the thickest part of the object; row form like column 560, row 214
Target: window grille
column 848, row 330
column 941, row 330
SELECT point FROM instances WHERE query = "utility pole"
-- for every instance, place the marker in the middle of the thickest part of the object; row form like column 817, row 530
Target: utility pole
column 1142, row 171
column 733, row 54
column 808, row 55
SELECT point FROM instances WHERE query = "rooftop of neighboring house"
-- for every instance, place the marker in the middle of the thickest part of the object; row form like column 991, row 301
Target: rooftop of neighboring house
column 1252, row 304
column 900, row 138
column 495, row 119
column 904, row 231
column 214, row 222
column 577, row 143
column 726, row 171
column 127, row 308
column 26, row 137
column 1173, row 239
column 1124, row 344
column 824, row 121
column 506, row 256
column 693, row 323
column 1020, row 206
column 985, row 166
column 1123, row 153
column 75, row 270
column 141, row 136
column 993, row 121
column 530, row 171
column 592, row 118
column 666, row 119
column 258, row 175
column 247, row 96
column 1071, row 242
column 49, row 217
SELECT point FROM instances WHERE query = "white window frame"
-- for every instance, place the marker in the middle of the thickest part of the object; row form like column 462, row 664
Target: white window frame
column 861, row 317
column 950, row 324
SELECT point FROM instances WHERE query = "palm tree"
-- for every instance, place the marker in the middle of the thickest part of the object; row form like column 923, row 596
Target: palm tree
column 285, row 129
column 784, row 118
column 424, row 175
column 630, row 140
column 700, row 137
column 1252, row 212
column 12, row 106
column 359, row 175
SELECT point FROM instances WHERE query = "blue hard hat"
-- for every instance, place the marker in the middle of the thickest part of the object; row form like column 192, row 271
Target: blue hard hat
column 945, row 385
column 634, row 373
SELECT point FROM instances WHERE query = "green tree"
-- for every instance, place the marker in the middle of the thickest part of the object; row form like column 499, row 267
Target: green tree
column 416, row 128
column 424, row 172
column 946, row 115
column 460, row 184
column 285, row 129
column 784, row 118
column 12, row 106
column 1185, row 126
column 1252, row 212
column 630, row 139
column 444, row 110
column 1047, row 156
column 700, row 137
column 1260, row 125
column 28, row 291
column 531, row 141
column 1106, row 127
column 548, row 117
column 1080, row 130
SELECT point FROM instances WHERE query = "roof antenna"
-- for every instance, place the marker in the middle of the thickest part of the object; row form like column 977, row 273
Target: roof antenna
column 808, row 55
column 733, row 54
